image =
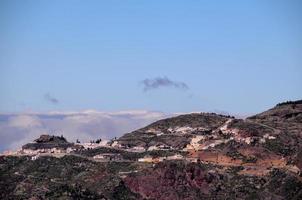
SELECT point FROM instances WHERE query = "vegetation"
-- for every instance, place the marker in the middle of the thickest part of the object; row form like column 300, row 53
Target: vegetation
column 290, row 102
column 278, row 147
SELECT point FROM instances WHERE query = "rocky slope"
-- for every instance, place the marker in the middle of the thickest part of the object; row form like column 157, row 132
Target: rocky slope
column 194, row 156
column 174, row 133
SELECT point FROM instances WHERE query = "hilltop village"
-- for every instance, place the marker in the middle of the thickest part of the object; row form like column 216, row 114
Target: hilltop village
column 58, row 146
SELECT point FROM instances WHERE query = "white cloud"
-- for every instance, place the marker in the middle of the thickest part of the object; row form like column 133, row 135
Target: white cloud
column 24, row 121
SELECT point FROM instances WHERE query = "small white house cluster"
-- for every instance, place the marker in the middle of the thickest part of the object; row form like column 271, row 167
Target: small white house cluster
column 160, row 147
column 108, row 157
column 160, row 159
column 47, row 151
column 93, row 145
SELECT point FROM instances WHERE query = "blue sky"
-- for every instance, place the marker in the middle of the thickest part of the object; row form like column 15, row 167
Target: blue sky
column 234, row 56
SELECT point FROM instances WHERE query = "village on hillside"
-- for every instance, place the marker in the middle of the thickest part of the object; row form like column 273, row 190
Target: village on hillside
column 112, row 151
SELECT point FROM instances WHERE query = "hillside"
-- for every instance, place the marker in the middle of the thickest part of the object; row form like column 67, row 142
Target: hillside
column 285, row 116
column 174, row 133
column 193, row 156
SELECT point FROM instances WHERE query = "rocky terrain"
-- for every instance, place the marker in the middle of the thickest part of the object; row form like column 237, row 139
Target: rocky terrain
column 193, row 156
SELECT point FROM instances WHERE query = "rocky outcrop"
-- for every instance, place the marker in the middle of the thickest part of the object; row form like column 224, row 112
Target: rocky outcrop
column 51, row 139
column 49, row 143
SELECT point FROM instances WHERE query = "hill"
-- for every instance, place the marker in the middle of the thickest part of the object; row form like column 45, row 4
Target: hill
column 193, row 156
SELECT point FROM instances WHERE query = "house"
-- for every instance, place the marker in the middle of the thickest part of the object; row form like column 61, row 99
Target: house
column 99, row 156
column 147, row 159
column 175, row 157
column 93, row 145
column 164, row 147
column 35, row 157
column 108, row 157
column 137, row 149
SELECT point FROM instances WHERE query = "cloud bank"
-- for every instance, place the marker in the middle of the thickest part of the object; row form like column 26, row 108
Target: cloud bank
column 158, row 82
column 19, row 129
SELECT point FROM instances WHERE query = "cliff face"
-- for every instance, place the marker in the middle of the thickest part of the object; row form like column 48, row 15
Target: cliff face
column 194, row 156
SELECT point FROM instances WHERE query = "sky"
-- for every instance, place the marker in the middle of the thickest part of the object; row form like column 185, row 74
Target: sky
column 166, row 56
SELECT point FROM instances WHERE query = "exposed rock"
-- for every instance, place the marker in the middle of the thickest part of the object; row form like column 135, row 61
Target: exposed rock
column 51, row 139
